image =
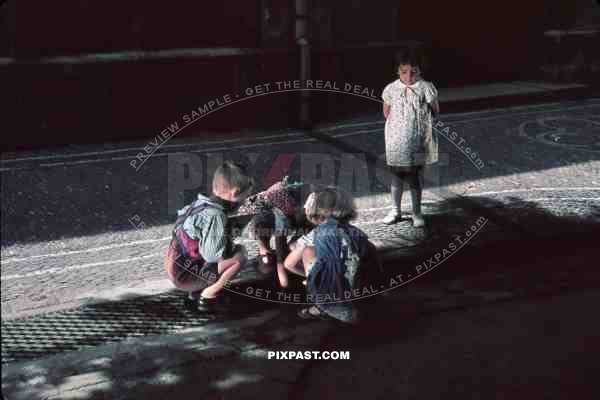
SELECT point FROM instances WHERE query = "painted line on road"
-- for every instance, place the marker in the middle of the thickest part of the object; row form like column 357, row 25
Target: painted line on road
column 75, row 267
column 235, row 140
column 502, row 112
column 88, row 250
column 165, row 154
column 361, row 223
column 542, row 189
column 138, row 148
column 245, row 241
column 189, row 144
column 140, row 242
column 58, row 270
column 522, row 114
column 574, row 199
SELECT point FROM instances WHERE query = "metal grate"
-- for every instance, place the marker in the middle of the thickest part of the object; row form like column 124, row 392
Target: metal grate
column 92, row 325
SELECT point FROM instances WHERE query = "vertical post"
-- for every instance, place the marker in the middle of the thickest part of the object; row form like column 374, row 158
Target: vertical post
column 11, row 23
column 303, row 43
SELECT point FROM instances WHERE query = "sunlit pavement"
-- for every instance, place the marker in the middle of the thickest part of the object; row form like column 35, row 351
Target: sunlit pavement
column 536, row 194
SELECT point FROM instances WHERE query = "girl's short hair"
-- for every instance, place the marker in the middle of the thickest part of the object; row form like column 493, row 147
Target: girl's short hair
column 236, row 176
column 331, row 202
column 409, row 56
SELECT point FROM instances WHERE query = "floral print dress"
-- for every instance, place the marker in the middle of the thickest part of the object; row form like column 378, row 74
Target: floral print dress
column 409, row 136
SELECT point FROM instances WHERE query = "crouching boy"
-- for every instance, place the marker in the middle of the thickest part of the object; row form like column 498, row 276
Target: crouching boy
column 201, row 258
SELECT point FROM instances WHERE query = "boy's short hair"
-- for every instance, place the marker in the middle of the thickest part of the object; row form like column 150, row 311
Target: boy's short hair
column 331, row 202
column 236, row 176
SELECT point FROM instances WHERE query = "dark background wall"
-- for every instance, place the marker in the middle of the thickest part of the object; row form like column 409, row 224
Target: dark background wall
column 353, row 41
column 90, row 26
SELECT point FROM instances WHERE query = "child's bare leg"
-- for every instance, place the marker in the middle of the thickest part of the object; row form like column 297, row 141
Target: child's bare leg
column 263, row 230
column 281, row 243
column 309, row 257
column 416, row 190
column 263, row 246
column 228, row 269
column 293, row 261
column 397, row 189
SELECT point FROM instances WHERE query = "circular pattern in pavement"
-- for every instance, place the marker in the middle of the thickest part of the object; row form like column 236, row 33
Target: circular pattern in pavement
column 568, row 132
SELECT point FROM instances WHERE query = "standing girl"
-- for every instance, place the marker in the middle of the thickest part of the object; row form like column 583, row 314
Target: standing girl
column 410, row 103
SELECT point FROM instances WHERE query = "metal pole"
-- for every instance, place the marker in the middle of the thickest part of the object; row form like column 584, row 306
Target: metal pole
column 10, row 11
column 303, row 43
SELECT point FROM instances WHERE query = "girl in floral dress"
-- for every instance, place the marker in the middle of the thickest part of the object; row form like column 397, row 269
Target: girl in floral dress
column 410, row 103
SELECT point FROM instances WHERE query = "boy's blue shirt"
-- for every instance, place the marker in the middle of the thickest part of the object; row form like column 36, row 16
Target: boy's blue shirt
column 209, row 227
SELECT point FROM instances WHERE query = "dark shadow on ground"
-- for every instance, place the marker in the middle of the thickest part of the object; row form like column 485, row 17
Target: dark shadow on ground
column 523, row 234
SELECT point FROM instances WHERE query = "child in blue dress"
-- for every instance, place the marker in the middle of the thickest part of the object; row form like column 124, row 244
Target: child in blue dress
column 334, row 258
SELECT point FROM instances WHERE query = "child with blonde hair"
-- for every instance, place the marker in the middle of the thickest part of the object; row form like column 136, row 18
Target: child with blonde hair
column 333, row 256
column 201, row 257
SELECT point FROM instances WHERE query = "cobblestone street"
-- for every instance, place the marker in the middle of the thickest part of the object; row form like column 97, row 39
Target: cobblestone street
column 513, row 212
column 69, row 217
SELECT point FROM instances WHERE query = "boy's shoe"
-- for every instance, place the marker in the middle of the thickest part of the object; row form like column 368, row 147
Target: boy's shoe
column 195, row 302
column 418, row 220
column 191, row 300
column 392, row 217
column 211, row 305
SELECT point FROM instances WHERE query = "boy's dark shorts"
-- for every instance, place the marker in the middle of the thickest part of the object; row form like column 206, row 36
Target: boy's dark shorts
column 187, row 273
column 202, row 275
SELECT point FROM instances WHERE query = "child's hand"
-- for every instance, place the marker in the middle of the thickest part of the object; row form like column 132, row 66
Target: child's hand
column 435, row 109
column 386, row 111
